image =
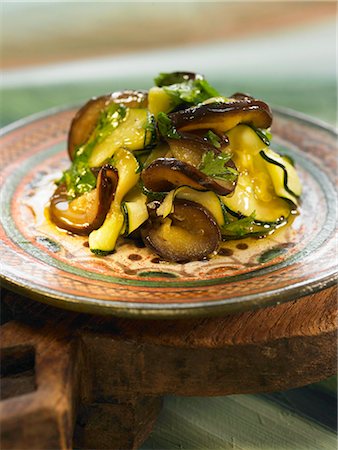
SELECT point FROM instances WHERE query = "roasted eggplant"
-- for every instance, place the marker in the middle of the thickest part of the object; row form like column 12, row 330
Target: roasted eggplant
column 86, row 119
column 223, row 115
column 87, row 212
column 189, row 233
column 164, row 174
column 180, row 165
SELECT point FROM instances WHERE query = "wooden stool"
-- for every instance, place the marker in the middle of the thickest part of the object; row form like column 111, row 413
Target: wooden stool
column 97, row 382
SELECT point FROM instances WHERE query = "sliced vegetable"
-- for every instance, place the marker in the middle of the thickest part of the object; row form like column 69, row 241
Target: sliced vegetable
column 245, row 227
column 159, row 101
column 209, row 200
column 135, row 210
column 244, row 202
column 164, row 174
column 223, row 116
column 104, row 239
column 283, row 175
column 160, row 151
column 86, row 119
column 87, row 212
column 254, row 191
column 190, row 148
column 189, row 233
column 181, row 165
column 133, row 133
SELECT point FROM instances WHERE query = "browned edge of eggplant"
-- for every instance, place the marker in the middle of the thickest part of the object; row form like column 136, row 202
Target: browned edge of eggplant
column 85, row 221
column 86, row 118
column 193, row 233
column 165, row 174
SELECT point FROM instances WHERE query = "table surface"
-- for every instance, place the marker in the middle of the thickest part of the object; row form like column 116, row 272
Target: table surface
column 63, row 53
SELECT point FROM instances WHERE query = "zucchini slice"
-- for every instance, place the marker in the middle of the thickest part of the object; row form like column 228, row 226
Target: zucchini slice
column 135, row 132
column 283, row 175
column 254, row 192
column 135, row 210
column 104, row 239
column 245, row 202
column 246, row 227
column 160, row 151
column 208, row 199
column 158, row 101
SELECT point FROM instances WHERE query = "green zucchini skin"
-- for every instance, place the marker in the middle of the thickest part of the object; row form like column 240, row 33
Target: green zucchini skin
column 287, row 175
column 182, row 151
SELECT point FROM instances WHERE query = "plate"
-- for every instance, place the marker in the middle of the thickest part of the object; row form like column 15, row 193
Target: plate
column 57, row 268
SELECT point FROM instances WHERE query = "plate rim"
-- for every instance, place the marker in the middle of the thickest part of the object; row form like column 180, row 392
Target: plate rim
column 169, row 310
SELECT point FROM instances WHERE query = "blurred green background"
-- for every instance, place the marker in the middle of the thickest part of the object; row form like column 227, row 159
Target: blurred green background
column 63, row 53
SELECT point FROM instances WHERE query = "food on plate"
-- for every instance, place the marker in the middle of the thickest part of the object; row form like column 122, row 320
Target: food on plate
column 181, row 167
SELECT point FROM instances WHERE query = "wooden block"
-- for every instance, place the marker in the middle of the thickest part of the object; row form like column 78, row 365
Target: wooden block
column 110, row 373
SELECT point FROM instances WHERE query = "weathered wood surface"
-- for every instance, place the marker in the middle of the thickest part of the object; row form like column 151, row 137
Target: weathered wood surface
column 104, row 377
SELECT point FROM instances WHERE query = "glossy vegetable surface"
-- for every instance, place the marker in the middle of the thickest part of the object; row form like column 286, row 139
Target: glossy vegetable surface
column 87, row 212
column 182, row 165
column 188, row 233
column 88, row 116
column 164, row 174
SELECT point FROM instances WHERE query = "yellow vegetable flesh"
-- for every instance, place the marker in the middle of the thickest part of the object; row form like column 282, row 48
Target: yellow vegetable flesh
column 130, row 134
column 209, row 200
column 104, row 239
column 254, row 193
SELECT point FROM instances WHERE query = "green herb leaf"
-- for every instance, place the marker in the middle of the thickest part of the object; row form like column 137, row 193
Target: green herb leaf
column 79, row 178
column 214, row 139
column 191, row 92
column 215, row 166
column 166, row 127
column 240, row 227
column 153, row 196
column 207, row 89
column 110, row 119
column 166, row 79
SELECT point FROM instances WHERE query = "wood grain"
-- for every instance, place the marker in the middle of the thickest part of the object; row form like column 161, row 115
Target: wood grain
column 104, row 376
column 42, row 418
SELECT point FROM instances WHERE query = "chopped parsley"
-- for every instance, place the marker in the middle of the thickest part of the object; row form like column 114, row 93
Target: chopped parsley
column 166, row 127
column 215, row 166
column 214, row 139
column 240, row 227
column 190, row 92
column 79, row 178
column 166, row 79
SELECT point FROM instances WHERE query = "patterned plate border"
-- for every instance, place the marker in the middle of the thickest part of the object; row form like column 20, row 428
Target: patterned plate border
column 204, row 305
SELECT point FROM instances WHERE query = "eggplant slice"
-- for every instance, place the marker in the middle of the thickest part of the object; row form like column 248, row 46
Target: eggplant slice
column 85, row 120
column 189, row 233
column 88, row 212
column 165, row 174
column 191, row 146
column 223, row 116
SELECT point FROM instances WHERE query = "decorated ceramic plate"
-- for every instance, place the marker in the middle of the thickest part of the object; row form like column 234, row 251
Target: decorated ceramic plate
column 52, row 266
